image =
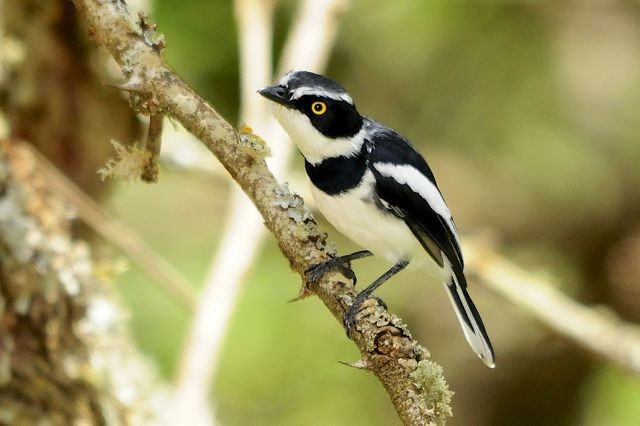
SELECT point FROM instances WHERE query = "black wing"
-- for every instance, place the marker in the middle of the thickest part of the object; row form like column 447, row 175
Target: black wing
column 428, row 218
column 435, row 232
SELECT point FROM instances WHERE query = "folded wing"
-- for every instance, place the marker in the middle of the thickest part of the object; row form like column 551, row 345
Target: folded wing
column 406, row 187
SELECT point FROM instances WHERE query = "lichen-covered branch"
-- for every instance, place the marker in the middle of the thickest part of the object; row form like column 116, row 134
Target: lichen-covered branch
column 414, row 383
column 65, row 354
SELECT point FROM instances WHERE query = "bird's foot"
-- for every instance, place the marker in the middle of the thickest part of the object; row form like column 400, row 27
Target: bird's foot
column 380, row 302
column 356, row 307
column 316, row 272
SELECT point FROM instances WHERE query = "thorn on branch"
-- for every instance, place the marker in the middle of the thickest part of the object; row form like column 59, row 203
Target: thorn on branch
column 360, row 364
column 133, row 84
column 302, row 294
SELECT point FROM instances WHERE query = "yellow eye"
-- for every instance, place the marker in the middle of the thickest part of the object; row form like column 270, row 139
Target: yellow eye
column 318, row 108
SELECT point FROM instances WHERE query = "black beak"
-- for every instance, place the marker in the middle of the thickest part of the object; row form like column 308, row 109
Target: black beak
column 276, row 94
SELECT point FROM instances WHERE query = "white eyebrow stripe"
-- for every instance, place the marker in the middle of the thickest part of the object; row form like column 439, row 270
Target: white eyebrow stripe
column 284, row 81
column 316, row 91
column 421, row 185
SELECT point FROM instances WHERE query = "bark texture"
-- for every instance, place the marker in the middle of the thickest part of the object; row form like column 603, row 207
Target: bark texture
column 53, row 94
column 65, row 355
column 414, row 383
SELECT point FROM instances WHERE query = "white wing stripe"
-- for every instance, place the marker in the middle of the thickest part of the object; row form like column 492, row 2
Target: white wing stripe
column 421, row 185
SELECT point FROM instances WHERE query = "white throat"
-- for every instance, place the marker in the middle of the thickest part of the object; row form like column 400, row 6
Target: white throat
column 314, row 145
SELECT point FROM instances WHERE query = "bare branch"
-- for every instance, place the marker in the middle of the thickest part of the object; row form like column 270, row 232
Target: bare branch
column 414, row 383
column 602, row 333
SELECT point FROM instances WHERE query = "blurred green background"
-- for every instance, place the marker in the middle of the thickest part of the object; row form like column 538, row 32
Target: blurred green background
column 528, row 113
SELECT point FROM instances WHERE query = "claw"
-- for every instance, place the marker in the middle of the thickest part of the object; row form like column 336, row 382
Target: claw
column 316, row 272
column 356, row 307
column 380, row 302
column 352, row 313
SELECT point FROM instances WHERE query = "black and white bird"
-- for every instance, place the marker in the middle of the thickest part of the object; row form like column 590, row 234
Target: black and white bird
column 373, row 186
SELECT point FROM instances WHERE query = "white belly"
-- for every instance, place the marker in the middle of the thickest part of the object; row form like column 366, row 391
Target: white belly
column 358, row 218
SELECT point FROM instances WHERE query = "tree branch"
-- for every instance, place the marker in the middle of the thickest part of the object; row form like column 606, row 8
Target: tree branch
column 602, row 333
column 414, row 383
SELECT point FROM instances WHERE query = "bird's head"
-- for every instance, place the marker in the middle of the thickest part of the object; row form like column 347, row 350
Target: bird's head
column 317, row 113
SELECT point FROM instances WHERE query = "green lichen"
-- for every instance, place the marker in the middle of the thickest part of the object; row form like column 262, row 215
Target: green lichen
column 128, row 164
column 306, row 226
column 293, row 204
column 433, row 388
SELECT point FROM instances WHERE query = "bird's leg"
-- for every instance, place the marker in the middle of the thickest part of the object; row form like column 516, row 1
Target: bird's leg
column 352, row 312
column 340, row 263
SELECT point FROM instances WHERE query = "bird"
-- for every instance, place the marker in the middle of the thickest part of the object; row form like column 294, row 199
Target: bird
column 374, row 187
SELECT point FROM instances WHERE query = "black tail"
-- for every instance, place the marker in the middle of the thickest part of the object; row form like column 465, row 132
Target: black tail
column 470, row 321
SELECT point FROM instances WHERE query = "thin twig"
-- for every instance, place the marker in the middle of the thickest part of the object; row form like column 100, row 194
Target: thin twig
column 602, row 333
column 152, row 146
column 119, row 235
column 414, row 383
